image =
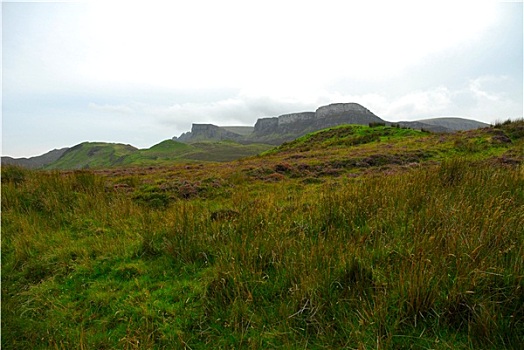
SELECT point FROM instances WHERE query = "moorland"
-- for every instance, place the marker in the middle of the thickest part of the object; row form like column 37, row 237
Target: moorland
column 353, row 237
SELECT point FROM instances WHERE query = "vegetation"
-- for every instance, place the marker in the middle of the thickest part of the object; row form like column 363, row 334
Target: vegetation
column 97, row 155
column 401, row 250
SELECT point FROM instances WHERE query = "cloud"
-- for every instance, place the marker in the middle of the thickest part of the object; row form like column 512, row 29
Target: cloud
column 122, row 109
column 483, row 98
column 421, row 103
column 236, row 109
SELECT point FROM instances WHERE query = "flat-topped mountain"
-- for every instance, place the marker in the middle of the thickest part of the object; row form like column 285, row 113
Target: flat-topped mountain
column 286, row 127
column 204, row 132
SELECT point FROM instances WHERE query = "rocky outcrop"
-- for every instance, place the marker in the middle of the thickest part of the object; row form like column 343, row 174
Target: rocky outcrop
column 208, row 132
column 276, row 130
column 293, row 118
column 342, row 109
column 286, row 123
column 344, row 113
column 266, row 126
column 289, row 126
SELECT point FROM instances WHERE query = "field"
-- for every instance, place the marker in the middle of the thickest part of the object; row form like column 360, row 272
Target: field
column 354, row 237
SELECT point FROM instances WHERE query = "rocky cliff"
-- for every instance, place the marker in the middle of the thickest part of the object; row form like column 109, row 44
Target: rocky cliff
column 276, row 130
column 290, row 126
column 207, row 132
column 285, row 123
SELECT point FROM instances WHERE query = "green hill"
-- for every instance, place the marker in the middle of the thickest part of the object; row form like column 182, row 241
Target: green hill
column 338, row 149
column 357, row 148
column 106, row 155
column 163, row 153
column 92, row 155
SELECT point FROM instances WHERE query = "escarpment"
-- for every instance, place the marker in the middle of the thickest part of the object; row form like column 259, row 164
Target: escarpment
column 286, row 127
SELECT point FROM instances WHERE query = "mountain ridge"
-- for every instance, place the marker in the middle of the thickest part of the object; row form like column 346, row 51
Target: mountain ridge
column 212, row 139
column 287, row 127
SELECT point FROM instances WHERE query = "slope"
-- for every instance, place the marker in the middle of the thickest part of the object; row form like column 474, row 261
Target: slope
column 92, row 155
column 107, row 155
column 35, row 162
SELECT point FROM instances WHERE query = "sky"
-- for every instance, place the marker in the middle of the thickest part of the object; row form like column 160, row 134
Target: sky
column 142, row 72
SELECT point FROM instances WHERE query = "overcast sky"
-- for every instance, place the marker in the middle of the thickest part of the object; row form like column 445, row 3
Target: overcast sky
column 142, row 72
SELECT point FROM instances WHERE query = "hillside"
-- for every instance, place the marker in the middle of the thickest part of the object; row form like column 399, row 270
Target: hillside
column 162, row 153
column 355, row 149
column 35, row 162
column 350, row 237
column 91, row 155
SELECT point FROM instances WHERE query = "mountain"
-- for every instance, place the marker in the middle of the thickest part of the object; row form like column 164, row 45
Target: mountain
column 208, row 142
column 105, row 155
column 92, row 154
column 455, row 124
column 36, row 162
column 287, row 127
column 205, row 132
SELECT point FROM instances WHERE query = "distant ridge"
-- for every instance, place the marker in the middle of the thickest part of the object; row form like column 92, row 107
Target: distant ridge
column 222, row 143
column 287, row 127
column 36, row 162
column 454, row 123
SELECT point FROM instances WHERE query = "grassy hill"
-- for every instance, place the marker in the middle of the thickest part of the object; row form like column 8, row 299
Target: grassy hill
column 91, row 155
column 165, row 152
column 355, row 149
column 352, row 237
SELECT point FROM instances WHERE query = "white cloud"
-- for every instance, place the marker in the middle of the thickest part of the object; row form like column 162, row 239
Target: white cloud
column 122, row 109
column 273, row 46
column 473, row 99
column 420, row 103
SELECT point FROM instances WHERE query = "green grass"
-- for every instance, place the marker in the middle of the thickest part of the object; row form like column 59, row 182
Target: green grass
column 254, row 254
column 99, row 155
column 92, row 154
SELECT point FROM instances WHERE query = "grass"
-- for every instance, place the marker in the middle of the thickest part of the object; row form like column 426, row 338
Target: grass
column 100, row 155
column 254, row 254
column 92, row 154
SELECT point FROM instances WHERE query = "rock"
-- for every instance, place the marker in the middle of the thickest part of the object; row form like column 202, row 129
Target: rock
column 342, row 109
column 266, row 125
column 208, row 132
column 286, row 127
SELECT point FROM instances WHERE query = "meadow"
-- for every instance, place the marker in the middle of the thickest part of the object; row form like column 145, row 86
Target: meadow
column 357, row 238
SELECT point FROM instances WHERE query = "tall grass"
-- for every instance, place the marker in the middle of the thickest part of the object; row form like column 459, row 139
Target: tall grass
column 430, row 258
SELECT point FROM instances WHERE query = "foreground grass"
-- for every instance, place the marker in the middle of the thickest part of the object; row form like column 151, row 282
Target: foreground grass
column 430, row 257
